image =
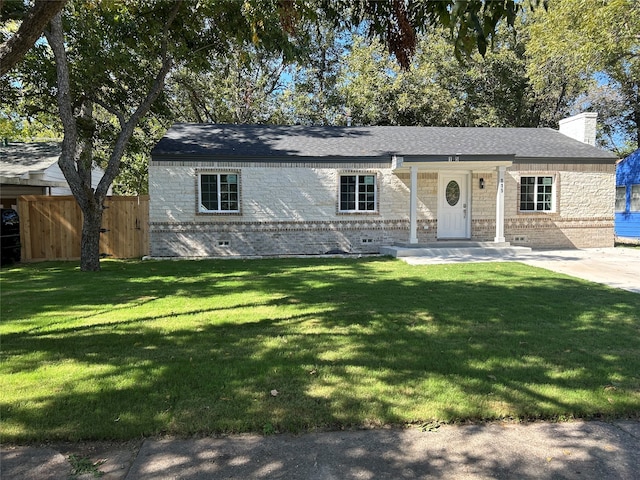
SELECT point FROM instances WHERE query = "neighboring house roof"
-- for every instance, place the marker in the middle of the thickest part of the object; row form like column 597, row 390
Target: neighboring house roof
column 27, row 164
column 36, row 164
column 288, row 143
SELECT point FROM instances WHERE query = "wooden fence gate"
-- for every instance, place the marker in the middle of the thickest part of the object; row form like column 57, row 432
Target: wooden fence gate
column 51, row 227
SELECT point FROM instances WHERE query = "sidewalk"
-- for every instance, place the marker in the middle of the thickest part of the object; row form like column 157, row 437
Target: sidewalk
column 572, row 450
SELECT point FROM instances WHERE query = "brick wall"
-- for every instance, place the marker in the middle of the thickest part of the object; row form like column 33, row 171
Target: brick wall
column 289, row 209
column 585, row 196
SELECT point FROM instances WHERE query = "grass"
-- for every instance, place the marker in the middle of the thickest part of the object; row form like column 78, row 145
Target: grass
column 199, row 347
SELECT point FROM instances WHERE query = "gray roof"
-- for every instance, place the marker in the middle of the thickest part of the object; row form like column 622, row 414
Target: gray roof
column 236, row 142
column 20, row 159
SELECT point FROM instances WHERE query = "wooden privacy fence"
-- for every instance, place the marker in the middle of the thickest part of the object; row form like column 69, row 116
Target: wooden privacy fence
column 51, row 227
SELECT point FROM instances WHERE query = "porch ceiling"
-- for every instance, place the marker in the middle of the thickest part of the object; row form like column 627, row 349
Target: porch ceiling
column 452, row 163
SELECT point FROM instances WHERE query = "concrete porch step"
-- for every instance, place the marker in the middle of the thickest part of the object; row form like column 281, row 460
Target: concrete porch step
column 455, row 249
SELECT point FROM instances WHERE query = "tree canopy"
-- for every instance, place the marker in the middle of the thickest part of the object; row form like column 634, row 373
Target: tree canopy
column 591, row 48
column 108, row 63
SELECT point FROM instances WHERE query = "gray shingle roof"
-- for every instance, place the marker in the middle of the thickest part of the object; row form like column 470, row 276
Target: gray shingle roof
column 292, row 142
column 18, row 159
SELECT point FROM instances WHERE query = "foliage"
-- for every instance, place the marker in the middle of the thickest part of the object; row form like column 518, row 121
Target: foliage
column 269, row 346
column 237, row 88
column 311, row 96
column 111, row 68
column 114, row 50
column 33, row 20
column 83, row 466
column 439, row 90
column 591, row 47
column 27, row 112
column 133, row 178
column 398, row 24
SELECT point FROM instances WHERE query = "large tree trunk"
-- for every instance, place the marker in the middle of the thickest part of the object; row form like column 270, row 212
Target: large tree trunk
column 90, row 241
column 77, row 146
column 76, row 158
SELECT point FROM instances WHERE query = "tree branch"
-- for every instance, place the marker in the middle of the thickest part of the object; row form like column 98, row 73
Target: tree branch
column 113, row 167
column 70, row 154
column 113, row 111
column 14, row 49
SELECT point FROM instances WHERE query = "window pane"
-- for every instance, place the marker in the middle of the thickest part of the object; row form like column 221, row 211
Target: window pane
column 527, row 186
column 544, row 194
column 621, row 199
column 528, row 181
column 209, row 192
column 366, row 201
column 348, row 192
column 536, row 193
column 219, row 192
column 228, row 192
column 543, row 200
column 366, row 192
column 452, row 193
column 357, row 193
column 635, row 198
column 544, row 180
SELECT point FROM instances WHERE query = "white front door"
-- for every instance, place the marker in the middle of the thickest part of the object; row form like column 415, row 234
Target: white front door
column 453, row 202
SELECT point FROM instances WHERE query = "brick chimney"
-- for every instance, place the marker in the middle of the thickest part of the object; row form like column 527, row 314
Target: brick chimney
column 581, row 127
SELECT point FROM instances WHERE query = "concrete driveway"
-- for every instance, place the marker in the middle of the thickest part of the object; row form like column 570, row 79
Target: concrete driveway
column 617, row 267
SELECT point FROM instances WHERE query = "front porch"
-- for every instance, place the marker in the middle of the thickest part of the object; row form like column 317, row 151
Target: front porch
column 455, row 191
column 455, row 250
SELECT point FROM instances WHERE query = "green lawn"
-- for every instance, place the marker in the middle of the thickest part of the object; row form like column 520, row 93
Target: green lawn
column 189, row 347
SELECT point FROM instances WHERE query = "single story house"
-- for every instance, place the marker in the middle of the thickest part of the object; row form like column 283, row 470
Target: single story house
column 32, row 169
column 627, row 212
column 224, row 190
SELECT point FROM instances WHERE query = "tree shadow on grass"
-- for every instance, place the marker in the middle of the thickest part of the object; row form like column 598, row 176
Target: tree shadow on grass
column 344, row 343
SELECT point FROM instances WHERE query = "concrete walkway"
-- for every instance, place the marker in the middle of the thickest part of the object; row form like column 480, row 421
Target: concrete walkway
column 572, row 450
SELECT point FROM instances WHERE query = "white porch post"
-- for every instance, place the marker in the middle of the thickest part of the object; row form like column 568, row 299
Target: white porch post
column 413, row 206
column 500, row 206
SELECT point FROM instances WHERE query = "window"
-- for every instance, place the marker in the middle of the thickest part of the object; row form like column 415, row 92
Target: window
column 621, row 199
column 537, row 194
column 219, row 192
column 357, row 193
column 635, row 198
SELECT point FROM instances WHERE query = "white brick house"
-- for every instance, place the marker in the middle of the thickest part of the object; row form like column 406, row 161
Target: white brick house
column 221, row 190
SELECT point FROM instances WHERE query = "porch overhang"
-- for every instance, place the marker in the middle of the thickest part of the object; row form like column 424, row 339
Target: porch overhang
column 454, row 162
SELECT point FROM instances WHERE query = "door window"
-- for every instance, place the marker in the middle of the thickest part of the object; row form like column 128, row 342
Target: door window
column 452, row 193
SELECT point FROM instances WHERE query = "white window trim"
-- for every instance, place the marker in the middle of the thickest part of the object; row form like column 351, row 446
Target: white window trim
column 376, row 191
column 554, row 193
column 217, row 173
